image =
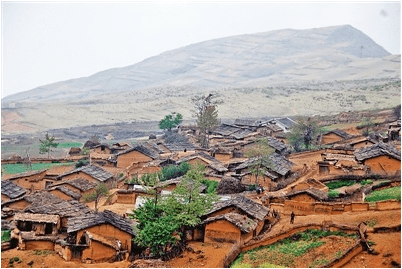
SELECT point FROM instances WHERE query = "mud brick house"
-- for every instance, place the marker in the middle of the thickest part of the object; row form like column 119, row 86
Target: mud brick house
column 135, row 157
column 91, row 173
column 177, row 147
column 223, row 154
column 65, row 193
column 307, row 195
column 98, row 236
column 280, row 169
column 40, row 224
column 394, row 130
column 357, row 142
column 11, row 191
column 31, row 181
column 212, row 164
column 334, row 136
column 235, row 220
column 380, row 158
column 79, row 185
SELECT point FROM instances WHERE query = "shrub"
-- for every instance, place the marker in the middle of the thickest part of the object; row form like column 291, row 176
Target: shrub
column 174, row 171
column 81, row 163
column 211, row 185
column 366, row 182
column 5, row 235
column 134, row 180
column 333, row 193
column 340, row 183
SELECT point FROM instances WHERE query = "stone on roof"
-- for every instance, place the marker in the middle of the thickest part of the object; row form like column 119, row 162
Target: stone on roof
column 92, row 170
column 11, row 190
column 376, row 150
column 244, row 223
column 96, row 218
column 250, row 207
column 39, row 218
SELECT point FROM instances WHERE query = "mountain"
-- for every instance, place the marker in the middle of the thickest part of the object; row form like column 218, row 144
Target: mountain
column 271, row 59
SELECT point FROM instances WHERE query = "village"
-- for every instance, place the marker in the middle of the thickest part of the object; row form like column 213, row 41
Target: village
column 262, row 200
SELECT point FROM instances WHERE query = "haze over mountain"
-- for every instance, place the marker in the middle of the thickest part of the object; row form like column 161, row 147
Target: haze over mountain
column 271, row 63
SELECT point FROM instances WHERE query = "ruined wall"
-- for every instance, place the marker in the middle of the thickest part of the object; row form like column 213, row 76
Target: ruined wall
column 383, row 165
column 126, row 198
column 245, row 238
column 330, row 138
column 125, row 160
column 108, row 230
column 63, row 251
column 221, row 231
column 98, row 252
column 262, row 181
column 99, row 150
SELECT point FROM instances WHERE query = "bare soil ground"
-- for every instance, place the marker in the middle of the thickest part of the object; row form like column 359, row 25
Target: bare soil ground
column 52, row 260
column 10, row 124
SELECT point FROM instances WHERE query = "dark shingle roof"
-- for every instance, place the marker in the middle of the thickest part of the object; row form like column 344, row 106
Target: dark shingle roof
column 376, row 150
column 316, row 194
column 280, row 164
column 198, row 154
column 246, row 122
column 11, row 190
column 226, row 129
column 92, row 170
column 90, row 220
column 142, row 148
column 180, row 146
column 289, row 123
column 276, row 144
column 240, row 134
column 68, row 192
column 250, row 207
column 244, row 223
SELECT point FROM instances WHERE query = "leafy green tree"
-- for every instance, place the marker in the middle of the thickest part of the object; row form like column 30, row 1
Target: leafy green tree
column 47, row 144
column 160, row 219
column 170, row 121
column 206, row 116
column 101, row 190
column 303, row 135
column 261, row 154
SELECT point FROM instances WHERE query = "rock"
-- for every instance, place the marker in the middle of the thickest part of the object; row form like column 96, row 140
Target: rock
column 30, row 263
column 388, row 254
column 396, row 264
column 200, row 256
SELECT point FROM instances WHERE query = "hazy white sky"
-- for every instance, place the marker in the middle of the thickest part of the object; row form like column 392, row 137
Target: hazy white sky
column 44, row 42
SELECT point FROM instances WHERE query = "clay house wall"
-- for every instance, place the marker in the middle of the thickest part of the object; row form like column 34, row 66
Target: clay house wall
column 126, row 197
column 37, row 245
column 18, row 205
column 302, row 197
column 31, row 182
column 80, row 174
column 196, row 161
column 362, row 144
column 127, row 159
column 330, row 138
column 249, row 179
column 221, row 230
column 214, row 177
column 383, row 165
column 98, row 251
column 102, row 149
column 108, row 230
column 151, row 169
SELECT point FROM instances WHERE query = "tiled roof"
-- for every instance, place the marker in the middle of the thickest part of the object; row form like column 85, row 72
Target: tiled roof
column 289, row 123
column 92, row 170
column 250, row 207
column 280, row 164
column 68, row 192
column 376, row 150
column 201, row 154
column 180, row 146
column 90, row 220
column 276, row 144
column 41, row 218
column 27, row 174
column 242, row 133
column 226, row 129
column 246, row 122
column 244, row 223
column 11, row 190
column 142, row 148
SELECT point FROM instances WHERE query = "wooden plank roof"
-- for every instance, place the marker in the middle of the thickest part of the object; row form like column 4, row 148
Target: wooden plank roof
column 40, row 218
column 376, row 150
column 11, row 190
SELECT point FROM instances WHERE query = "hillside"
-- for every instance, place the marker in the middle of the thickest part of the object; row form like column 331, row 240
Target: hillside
column 281, row 68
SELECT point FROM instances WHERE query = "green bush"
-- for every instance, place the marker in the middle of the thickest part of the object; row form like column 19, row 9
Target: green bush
column 5, row 235
column 211, row 185
column 174, row 171
column 270, row 265
column 333, row 193
column 242, row 265
column 366, row 182
column 134, row 180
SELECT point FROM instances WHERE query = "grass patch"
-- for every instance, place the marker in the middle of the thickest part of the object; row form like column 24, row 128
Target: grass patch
column 69, row 145
column 42, row 252
column 340, row 183
column 385, row 194
column 366, row 182
column 21, row 168
column 318, row 262
column 371, row 222
column 333, row 193
column 5, row 235
column 211, row 185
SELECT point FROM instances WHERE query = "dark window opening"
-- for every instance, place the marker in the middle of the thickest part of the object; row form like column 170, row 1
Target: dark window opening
column 25, row 226
column 48, row 228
